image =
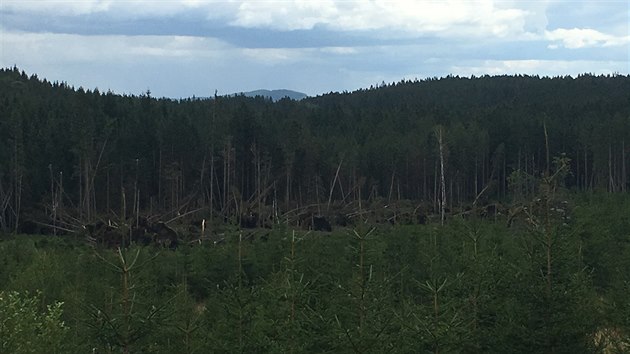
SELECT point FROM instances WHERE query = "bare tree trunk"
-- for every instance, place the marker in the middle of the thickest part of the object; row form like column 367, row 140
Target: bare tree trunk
column 59, row 194
column 623, row 166
column 107, row 192
column 586, row 185
column 136, row 195
column 332, row 186
column 122, row 185
column 5, row 200
column 611, row 182
column 54, row 206
column 435, row 188
column 300, row 201
column 201, row 178
column 123, row 211
column 182, row 184
column 137, row 209
column 391, row 187
column 227, row 186
column 440, row 136
column 81, row 187
column 577, row 167
column 483, row 170
column 340, row 183
column 225, row 177
column 442, row 183
column 504, row 180
column 86, row 189
column 458, row 188
column 359, row 187
column 526, row 176
column 211, row 186
column 476, row 177
column 353, row 184
column 259, row 187
column 287, row 194
column 424, row 178
column 319, row 210
column 548, row 245
column 546, row 149
column 450, row 193
column 160, row 177
column 53, row 200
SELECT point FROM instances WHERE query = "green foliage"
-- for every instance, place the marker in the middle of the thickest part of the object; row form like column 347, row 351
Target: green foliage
column 26, row 328
column 470, row 286
column 126, row 320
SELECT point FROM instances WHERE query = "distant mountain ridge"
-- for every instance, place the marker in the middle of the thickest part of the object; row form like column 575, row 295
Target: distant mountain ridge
column 277, row 95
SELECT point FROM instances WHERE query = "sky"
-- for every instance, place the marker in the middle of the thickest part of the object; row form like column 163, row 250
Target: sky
column 188, row 48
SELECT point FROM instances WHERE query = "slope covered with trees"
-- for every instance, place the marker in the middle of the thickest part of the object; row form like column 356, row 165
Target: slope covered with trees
column 70, row 156
column 549, row 274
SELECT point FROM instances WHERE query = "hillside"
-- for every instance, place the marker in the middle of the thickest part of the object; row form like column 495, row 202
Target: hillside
column 101, row 154
column 476, row 215
column 276, row 95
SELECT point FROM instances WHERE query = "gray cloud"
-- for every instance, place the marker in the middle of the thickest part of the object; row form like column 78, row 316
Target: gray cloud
column 185, row 48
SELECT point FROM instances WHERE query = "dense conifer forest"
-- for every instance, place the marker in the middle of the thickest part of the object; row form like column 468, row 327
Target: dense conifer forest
column 85, row 153
column 445, row 215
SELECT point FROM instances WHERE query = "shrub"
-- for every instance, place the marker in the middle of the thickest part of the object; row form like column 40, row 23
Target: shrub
column 25, row 329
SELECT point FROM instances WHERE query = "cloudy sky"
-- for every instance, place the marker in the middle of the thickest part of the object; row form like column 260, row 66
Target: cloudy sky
column 194, row 47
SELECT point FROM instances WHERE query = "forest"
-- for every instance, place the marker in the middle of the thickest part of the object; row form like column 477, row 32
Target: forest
column 71, row 156
column 445, row 215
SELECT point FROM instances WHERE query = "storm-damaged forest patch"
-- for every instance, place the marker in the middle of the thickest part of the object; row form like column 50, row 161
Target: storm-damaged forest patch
column 472, row 215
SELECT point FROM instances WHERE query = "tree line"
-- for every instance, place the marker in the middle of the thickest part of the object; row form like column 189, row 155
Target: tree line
column 69, row 156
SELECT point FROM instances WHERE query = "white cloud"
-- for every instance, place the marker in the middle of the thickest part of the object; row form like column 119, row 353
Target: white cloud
column 540, row 67
column 56, row 7
column 273, row 56
column 283, row 56
column 467, row 18
column 116, row 8
column 450, row 17
column 583, row 37
column 284, row 15
column 38, row 49
column 28, row 48
column 340, row 50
